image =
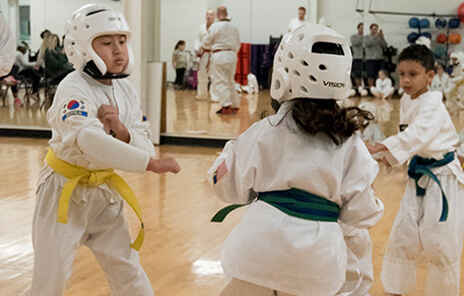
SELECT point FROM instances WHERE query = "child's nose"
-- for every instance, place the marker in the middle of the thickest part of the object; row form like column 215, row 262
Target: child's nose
column 117, row 48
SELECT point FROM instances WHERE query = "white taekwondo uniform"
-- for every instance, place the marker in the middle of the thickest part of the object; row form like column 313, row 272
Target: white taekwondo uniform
column 383, row 87
column 224, row 41
column 96, row 214
column 202, row 74
column 429, row 133
column 272, row 249
column 372, row 133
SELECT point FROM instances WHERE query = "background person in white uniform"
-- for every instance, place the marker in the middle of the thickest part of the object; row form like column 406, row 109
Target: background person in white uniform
column 7, row 47
column 383, row 88
column 89, row 103
column 306, row 154
column 224, row 41
column 430, row 220
column 300, row 20
column 204, row 55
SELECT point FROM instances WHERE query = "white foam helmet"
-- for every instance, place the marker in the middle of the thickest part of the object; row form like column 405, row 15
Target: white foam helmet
column 87, row 23
column 301, row 73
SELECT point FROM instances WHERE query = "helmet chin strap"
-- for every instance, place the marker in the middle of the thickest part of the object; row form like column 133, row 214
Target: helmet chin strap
column 92, row 69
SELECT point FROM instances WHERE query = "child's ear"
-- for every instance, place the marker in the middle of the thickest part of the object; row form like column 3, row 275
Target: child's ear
column 430, row 75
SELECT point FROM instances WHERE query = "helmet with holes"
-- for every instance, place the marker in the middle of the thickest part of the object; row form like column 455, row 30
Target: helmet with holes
column 313, row 62
column 88, row 23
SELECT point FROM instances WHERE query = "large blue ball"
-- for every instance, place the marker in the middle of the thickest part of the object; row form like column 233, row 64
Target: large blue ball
column 414, row 22
column 424, row 23
column 454, row 23
column 412, row 37
column 440, row 23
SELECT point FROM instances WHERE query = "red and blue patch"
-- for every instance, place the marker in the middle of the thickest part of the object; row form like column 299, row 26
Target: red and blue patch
column 74, row 107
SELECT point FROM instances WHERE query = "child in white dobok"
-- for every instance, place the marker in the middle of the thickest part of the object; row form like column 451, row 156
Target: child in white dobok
column 97, row 126
column 383, row 88
column 430, row 221
column 302, row 170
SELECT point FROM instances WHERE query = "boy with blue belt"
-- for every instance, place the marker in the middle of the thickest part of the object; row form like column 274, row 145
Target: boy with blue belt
column 430, row 219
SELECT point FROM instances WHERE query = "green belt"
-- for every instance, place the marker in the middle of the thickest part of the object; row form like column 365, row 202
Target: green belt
column 419, row 167
column 293, row 202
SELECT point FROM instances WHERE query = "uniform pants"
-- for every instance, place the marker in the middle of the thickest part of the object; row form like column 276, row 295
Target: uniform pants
column 417, row 231
column 97, row 223
column 385, row 93
column 238, row 287
column 223, row 84
column 359, row 242
column 202, row 75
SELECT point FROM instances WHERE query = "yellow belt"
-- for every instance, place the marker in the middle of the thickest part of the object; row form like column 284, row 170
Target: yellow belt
column 77, row 174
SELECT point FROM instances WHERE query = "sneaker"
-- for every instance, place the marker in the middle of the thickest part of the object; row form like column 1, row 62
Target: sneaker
column 17, row 102
column 225, row 110
column 10, row 80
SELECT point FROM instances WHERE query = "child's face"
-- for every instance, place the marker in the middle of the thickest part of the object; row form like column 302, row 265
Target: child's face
column 440, row 70
column 182, row 46
column 112, row 49
column 414, row 78
column 382, row 75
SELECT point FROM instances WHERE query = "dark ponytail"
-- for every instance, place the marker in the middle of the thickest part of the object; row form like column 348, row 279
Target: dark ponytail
column 338, row 123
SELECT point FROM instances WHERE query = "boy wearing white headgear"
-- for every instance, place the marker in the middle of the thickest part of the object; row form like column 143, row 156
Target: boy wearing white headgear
column 97, row 126
column 302, row 170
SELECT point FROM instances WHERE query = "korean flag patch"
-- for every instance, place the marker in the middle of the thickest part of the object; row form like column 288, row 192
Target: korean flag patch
column 74, row 107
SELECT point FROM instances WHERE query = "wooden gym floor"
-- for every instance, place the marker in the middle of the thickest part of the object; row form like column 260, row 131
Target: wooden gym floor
column 181, row 249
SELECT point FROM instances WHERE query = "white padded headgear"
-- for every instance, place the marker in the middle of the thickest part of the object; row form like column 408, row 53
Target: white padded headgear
column 89, row 22
column 301, row 72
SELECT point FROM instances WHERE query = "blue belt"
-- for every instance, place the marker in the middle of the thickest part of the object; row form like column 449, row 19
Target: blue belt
column 293, row 202
column 419, row 167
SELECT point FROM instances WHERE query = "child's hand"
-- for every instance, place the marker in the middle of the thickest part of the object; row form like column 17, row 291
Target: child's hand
column 109, row 116
column 163, row 165
column 376, row 148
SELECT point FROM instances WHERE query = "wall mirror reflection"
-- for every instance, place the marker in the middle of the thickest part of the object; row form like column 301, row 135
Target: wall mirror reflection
column 260, row 24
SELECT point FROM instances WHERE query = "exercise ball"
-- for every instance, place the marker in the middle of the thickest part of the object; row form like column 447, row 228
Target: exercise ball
column 455, row 38
column 414, row 22
column 461, row 12
column 454, row 23
column 440, row 23
column 440, row 52
column 412, row 37
column 441, row 38
column 426, row 34
column 424, row 23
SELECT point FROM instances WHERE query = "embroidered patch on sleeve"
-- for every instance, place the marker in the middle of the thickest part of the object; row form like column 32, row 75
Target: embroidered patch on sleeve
column 74, row 107
column 220, row 173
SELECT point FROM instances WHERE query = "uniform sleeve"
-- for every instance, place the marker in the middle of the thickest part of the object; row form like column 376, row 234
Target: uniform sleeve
column 233, row 174
column 198, row 40
column 139, row 130
column 7, row 47
column 361, row 208
column 117, row 154
column 208, row 41
column 417, row 135
column 81, row 127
